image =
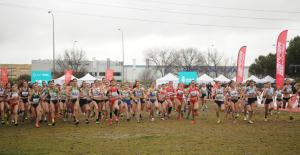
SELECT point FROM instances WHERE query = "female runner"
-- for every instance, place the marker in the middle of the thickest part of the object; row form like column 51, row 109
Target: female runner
column 52, row 93
column 179, row 100
column 23, row 105
column 152, row 95
column 98, row 94
column 2, row 100
column 233, row 96
column 203, row 97
column 219, row 100
column 125, row 96
column 193, row 94
column 169, row 98
column 14, row 99
column 161, row 97
column 113, row 94
column 138, row 93
column 268, row 93
column 287, row 92
column 83, row 101
column 75, row 90
column 35, row 98
column 279, row 102
column 251, row 95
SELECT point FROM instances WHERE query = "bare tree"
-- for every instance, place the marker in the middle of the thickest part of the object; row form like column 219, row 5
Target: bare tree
column 162, row 59
column 74, row 60
column 214, row 59
column 188, row 59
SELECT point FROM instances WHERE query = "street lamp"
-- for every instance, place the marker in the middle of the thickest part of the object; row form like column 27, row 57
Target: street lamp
column 123, row 54
column 53, row 41
column 75, row 41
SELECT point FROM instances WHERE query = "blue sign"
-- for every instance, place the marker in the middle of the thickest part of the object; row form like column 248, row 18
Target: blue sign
column 187, row 77
column 39, row 76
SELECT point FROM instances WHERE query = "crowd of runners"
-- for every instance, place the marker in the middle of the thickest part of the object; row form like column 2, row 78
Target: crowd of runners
column 106, row 101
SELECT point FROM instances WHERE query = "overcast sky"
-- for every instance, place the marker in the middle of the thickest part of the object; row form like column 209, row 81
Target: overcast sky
column 26, row 27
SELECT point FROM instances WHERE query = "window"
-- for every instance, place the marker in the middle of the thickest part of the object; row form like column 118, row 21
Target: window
column 95, row 74
column 117, row 73
column 101, row 73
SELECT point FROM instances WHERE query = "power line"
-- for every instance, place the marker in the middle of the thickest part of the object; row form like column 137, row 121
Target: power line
column 184, row 12
column 140, row 19
column 218, row 7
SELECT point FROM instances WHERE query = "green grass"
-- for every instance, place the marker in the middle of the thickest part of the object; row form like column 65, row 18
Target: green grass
column 278, row 136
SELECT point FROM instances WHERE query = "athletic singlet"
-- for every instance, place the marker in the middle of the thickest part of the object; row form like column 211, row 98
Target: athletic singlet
column 24, row 93
column 96, row 92
column 170, row 91
column 2, row 92
column 53, row 93
column 14, row 96
column 114, row 92
column 278, row 94
column 35, row 98
column 270, row 92
column 161, row 95
column 234, row 94
column 193, row 92
column 125, row 93
column 85, row 93
column 180, row 93
column 138, row 93
column 287, row 89
column 74, row 93
column 153, row 93
column 63, row 95
column 203, row 90
column 251, row 91
column 219, row 94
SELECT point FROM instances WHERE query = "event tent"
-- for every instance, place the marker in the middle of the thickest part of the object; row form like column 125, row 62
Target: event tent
column 268, row 79
column 205, row 79
column 253, row 78
column 166, row 79
column 61, row 80
column 87, row 78
column 222, row 79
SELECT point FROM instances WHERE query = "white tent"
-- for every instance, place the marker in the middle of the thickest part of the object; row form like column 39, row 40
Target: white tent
column 61, row 80
column 222, row 79
column 253, row 78
column 205, row 79
column 166, row 79
column 87, row 78
column 268, row 79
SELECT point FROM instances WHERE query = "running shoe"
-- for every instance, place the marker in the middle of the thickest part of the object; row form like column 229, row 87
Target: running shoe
column 218, row 121
column 110, row 122
column 193, row 122
column 250, row 122
column 76, row 122
column 266, row 120
column 152, row 119
column 97, row 121
column 2, row 122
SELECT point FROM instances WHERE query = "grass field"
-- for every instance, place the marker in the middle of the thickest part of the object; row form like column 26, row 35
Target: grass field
column 278, row 136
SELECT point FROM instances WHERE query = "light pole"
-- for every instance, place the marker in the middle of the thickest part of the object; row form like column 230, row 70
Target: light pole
column 123, row 55
column 74, row 43
column 53, row 41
